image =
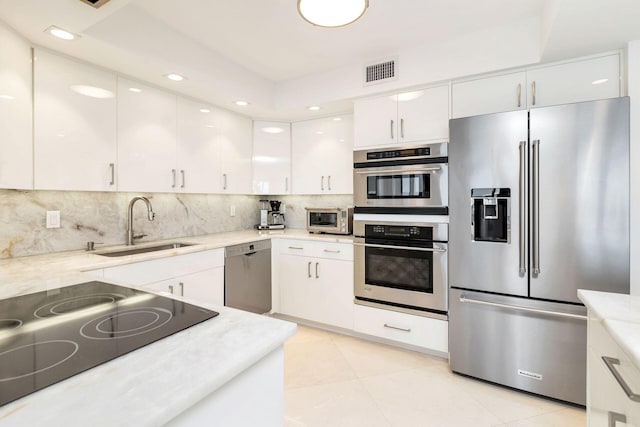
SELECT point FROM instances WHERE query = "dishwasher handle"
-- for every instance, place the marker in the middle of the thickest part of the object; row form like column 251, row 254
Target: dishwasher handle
column 250, row 253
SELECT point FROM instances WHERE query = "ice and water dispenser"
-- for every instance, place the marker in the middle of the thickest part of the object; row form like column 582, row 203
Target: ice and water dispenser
column 491, row 214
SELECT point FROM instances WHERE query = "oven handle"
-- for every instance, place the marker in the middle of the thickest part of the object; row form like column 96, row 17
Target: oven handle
column 411, row 248
column 381, row 170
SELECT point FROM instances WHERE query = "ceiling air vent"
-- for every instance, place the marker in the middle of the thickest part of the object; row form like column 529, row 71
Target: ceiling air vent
column 95, row 3
column 380, row 72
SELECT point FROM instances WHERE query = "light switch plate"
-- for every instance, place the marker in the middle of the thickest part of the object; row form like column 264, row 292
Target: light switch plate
column 53, row 219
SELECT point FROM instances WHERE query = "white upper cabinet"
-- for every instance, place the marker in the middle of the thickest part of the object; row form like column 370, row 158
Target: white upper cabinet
column 75, row 125
column 409, row 117
column 489, row 95
column 588, row 79
column 198, row 156
column 322, row 156
column 234, row 145
column 271, row 158
column 16, row 141
column 596, row 78
column 146, row 138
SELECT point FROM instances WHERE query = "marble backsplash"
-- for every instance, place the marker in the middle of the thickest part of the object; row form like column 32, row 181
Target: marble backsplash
column 101, row 217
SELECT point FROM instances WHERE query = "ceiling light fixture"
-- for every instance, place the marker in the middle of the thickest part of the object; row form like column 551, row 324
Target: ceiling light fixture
column 314, row 108
column 175, row 77
column 332, row 13
column 60, row 33
column 242, row 103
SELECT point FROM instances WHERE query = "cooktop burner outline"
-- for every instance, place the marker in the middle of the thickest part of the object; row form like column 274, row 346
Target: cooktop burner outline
column 41, row 343
column 86, row 329
column 107, row 298
column 6, row 324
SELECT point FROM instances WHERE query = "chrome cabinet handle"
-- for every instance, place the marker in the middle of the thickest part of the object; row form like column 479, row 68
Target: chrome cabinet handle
column 309, row 270
column 391, row 128
column 182, row 173
column 329, row 182
column 171, row 289
column 112, row 167
column 536, row 207
column 332, row 251
column 464, row 299
column 523, row 260
column 519, row 95
column 401, row 128
column 173, row 173
column 615, row 417
column 286, row 184
column 611, row 362
column 385, row 171
column 411, row 248
column 296, row 247
column 533, row 91
column 224, row 181
column 322, row 183
column 386, row 325
column 181, row 288
column 317, row 276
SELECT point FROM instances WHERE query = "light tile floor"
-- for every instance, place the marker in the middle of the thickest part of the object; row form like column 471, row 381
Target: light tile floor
column 336, row 380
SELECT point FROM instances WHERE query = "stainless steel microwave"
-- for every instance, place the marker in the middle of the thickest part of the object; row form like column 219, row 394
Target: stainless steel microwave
column 330, row 220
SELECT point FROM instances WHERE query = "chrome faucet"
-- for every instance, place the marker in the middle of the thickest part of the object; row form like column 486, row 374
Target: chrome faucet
column 150, row 211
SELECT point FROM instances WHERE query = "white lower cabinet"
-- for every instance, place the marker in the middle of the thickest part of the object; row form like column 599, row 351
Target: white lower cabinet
column 607, row 402
column 198, row 276
column 418, row 331
column 318, row 286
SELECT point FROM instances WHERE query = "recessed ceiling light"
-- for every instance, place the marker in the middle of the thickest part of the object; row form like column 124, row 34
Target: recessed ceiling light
column 135, row 90
column 272, row 129
column 204, row 110
column 92, row 91
column 337, row 119
column 60, row 33
column 242, row 103
column 314, row 108
column 598, row 82
column 175, row 77
column 7, row 97
column 331, row 13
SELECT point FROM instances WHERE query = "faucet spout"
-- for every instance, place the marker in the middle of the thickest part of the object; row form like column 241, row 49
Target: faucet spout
column 150, row 213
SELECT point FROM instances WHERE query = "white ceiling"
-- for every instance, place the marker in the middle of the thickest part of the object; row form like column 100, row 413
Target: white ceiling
column 255, row 49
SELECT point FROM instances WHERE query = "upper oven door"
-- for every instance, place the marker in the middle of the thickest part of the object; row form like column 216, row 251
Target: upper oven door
column 414, row 185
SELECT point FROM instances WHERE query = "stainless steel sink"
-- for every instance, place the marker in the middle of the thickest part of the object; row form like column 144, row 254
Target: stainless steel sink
column 145, row 249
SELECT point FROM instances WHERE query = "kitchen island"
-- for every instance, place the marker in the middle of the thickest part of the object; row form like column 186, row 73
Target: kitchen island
column 209, row 373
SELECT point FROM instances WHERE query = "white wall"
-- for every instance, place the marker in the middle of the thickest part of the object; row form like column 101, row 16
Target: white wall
column 633, row 79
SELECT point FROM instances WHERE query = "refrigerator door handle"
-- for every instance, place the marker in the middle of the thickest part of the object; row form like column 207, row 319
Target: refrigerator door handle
column 464, row 299
column 536, row 207
column 523, row 259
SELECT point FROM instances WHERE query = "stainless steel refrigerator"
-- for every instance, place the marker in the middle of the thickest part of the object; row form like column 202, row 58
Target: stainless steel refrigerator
column 539, row 208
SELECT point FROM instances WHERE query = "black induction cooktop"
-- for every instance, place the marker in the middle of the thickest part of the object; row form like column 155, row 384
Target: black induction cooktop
column 52, row 335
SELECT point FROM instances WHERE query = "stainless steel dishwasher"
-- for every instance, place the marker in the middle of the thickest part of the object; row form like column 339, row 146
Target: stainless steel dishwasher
column 247, row 276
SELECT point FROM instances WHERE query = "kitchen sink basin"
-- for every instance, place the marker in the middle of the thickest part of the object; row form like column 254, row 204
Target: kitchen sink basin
column 145, row 249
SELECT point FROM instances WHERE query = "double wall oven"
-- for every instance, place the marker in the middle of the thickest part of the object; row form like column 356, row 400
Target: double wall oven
column 400, row 229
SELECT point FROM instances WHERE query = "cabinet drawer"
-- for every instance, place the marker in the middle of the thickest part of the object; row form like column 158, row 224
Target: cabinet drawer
column 318, row 249
column 142, row 273
column 414, row 330
column 296, row 247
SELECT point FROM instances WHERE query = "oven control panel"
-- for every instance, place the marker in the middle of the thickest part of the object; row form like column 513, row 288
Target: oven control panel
column 408, row 232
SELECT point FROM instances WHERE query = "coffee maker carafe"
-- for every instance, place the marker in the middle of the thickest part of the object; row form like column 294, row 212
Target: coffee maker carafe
column 276, row 217
column 271, row 218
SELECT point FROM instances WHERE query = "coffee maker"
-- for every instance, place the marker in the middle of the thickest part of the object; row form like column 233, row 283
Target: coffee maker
column 270, row 216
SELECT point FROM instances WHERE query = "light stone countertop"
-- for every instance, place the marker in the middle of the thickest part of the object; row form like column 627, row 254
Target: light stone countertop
column 620, row 316
column 155, row 383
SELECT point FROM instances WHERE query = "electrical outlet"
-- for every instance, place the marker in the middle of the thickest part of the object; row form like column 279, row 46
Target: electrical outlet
column 232, row 210
column 53, row 219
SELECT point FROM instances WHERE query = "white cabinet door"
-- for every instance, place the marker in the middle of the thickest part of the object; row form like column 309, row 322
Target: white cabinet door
column 423, row 115
column 75, row 125
column 271, row 158
column 296, row 280
column 322, row 156
column 16, row 142
column 146, row 138
column 335, row 297
column 234, row 145
column 489, row 95
column 586, row 80
column 375, row 121
column 197, row 154
column 203, row 286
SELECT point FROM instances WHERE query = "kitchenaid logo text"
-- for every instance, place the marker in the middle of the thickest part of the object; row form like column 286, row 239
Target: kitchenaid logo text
column 528, row 374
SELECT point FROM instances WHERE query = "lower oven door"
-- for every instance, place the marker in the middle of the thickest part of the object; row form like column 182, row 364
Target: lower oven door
column 401, row 274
